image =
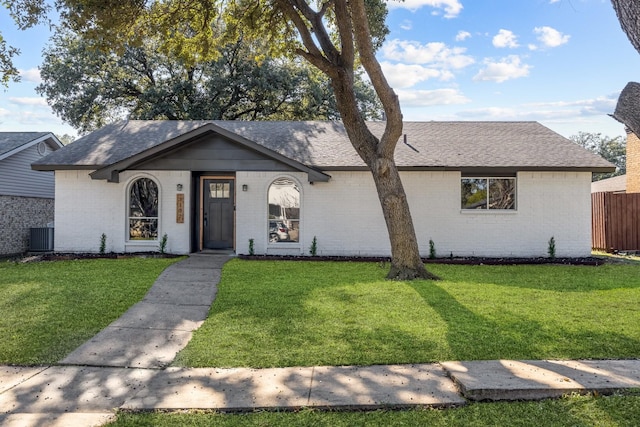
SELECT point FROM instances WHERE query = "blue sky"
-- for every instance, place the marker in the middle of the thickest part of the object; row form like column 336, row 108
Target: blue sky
column 559, row 62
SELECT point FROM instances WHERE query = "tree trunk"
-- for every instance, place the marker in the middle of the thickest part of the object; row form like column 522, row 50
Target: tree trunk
column 351, row 21
column 406, row 263
column 628, row 12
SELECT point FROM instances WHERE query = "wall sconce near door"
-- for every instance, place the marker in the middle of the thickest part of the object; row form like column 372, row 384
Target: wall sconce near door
column 245, row 187
column 179, row 187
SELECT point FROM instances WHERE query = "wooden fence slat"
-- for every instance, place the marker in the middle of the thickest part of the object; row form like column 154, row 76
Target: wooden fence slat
column 615, row 221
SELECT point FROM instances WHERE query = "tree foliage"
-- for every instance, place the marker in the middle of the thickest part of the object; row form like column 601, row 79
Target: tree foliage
column 89, row 87
column 611, row 149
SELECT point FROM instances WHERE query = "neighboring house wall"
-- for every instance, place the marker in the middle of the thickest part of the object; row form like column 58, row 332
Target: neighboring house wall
column 345, row 216
column 26, row 199
column 19, row 214
column 18, row 179
column 633, row 163
column 86, row 208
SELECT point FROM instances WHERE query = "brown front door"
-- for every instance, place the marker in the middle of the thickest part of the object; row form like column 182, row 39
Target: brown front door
column 217, row 213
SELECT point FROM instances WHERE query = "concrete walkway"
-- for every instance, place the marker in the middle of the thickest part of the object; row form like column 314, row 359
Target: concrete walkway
column 123, row 367
column 153, row 331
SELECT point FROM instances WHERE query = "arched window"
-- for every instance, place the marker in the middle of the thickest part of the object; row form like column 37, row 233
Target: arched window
column 284, row 211
column 143, row 210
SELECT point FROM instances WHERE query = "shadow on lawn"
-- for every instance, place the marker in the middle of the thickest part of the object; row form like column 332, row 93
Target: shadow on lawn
column 558, row 278
column 474, row 337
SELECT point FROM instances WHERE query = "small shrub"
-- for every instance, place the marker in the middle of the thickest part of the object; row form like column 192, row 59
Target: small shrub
column 103, row 244
column 432, row 249
column 313, row 249
column 551, row 250
column 163, row 243
column 251, row 248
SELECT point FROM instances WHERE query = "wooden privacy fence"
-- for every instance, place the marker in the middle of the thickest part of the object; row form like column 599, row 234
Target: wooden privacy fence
column 615, row 221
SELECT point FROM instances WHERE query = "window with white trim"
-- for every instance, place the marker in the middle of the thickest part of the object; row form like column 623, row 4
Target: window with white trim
column 488, row 193
column 283, row 222
column 143, row 210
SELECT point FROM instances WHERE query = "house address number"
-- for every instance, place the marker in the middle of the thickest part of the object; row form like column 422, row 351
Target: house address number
column 180, row 208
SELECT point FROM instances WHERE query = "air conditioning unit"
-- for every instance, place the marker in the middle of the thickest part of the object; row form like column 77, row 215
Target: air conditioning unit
column 41, row 239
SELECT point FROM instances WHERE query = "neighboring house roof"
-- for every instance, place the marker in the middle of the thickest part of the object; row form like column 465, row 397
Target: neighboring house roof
column 616, row 184
column 13, row 142
column 323, row 145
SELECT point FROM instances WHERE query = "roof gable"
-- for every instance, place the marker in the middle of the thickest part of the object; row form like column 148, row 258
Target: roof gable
column 14, row 142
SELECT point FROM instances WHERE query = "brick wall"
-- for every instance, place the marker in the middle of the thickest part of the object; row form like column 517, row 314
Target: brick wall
column 86, row 208
column 633, row 163
column 345, row 216
column 17, row 216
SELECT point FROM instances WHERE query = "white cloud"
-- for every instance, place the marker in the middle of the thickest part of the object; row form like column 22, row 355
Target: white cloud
column 435, row 53
column 4, row 112
column 427, row 98
column 506, row 69
column 452, row 8
column 505, row 38
column 406, row 25
column 550, row 37
column 598, row 106
column 462, row 35
column 30, row 101
column 407, row 75
column 31, row 75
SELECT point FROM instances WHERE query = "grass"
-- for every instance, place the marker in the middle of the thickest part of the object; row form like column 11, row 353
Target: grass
column 50, row 308
column 578, row 411
column 272, row 314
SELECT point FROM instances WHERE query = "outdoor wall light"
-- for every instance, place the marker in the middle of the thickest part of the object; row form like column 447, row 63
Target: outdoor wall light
column 245, row 187
column 179, row 187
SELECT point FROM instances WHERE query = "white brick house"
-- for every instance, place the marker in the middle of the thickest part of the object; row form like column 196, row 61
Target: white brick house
column 475, row 188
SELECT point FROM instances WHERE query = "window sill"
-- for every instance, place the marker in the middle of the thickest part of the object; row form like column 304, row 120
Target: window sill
column 488, row 211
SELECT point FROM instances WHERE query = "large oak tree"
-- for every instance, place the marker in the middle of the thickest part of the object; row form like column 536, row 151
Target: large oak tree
column 89, row 87
column 336, row 36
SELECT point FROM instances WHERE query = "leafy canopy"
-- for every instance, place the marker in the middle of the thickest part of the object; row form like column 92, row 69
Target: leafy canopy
column 89, row 87
column 611, row 149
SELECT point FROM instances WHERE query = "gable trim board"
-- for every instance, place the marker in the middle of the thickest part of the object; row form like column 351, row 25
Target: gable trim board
column 338, row 201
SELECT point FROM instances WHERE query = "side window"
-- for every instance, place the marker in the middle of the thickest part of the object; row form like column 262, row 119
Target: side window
column 283, row 211
column 488, row 193
column 143, row 210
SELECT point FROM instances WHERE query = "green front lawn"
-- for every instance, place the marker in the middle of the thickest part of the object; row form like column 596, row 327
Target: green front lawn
column 47, row 309
column 270, row 314
column 577, row 411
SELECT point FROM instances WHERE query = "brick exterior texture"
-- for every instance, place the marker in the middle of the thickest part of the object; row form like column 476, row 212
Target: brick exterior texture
column 633, row 163
column 18, row 215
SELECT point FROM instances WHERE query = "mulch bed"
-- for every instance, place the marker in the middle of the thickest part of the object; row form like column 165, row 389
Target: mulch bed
column 456, row 260
column 110, row 255
column 593, row 261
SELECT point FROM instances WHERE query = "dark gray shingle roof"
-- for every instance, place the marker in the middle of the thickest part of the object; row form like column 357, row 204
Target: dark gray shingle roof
column 324, row 145
column 9, row 141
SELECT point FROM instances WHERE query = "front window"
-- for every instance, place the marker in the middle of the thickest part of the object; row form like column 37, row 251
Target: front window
column 489, row 193
column 143, row 210
column 284, row 211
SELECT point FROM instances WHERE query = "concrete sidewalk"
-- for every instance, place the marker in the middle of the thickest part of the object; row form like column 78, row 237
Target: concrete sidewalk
column 124, row 367
column 73, row 395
